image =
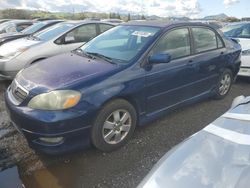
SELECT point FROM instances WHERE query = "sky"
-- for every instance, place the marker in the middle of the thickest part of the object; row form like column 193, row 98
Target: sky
column 163, row 8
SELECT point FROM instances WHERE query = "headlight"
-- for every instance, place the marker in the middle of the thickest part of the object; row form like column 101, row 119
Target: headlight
column 55, row 100
column 246, row 52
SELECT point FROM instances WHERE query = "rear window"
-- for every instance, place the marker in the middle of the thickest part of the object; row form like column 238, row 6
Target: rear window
column 237, row 30
column 105, row 27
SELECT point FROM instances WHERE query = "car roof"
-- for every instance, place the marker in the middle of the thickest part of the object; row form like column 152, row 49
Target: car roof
column 20, row 21
column 50, row 21
column 77, row 22
column 164, row 24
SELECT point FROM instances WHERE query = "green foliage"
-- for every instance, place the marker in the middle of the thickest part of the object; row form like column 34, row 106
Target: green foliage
column 28, row 14
column 232, row 19
column 15, row 14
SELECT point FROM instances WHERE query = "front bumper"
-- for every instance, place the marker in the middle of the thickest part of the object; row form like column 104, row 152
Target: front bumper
column 73, row 126
column 9, row 69
column 7, row 75
column 244, row 71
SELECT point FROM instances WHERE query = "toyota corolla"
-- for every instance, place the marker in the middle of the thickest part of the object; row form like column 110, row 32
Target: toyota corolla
column 127, row 76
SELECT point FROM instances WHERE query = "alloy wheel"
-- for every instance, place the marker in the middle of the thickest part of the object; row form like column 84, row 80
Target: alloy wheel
column 225, row 84
column 116, row 126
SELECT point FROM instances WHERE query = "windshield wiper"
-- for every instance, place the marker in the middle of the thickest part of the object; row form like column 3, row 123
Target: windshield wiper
column 106, row 58
column 80, row 52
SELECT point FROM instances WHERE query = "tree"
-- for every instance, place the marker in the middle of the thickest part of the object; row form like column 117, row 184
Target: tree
column 143, row 17
column 232, row 19
column 118, row 16
column 129, row 17
column 16, row 14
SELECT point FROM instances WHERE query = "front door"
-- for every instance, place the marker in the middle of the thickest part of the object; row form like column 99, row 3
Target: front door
column 167, row 83
column 78, row 36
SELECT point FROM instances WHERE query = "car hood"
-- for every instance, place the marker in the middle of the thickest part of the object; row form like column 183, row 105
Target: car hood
column 62, row 71
column 217, row 156
column 8, row 35
column 14, row 46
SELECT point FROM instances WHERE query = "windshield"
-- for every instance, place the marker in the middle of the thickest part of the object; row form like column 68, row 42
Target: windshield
column 34, row 28
column 237, row 30
column 53, row 31
column 121, row 43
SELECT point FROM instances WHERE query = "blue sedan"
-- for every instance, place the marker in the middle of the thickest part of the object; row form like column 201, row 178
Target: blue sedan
column 126, row 77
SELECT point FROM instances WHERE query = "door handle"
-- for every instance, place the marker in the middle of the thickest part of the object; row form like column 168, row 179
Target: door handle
column 190, row 63
column 221, row 53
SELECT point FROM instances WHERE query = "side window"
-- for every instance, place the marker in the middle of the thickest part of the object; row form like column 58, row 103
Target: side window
column 245, row 33
column 105, row 27
column 176, row 43
column 204, row 39
column 81, row 34
column 22, row 27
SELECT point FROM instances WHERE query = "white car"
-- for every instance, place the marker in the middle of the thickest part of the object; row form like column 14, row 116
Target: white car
column 241, row 32
column 60, row 38
column 215, row 157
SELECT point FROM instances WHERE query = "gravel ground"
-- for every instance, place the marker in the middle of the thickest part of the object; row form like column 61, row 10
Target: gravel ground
column 123, row 168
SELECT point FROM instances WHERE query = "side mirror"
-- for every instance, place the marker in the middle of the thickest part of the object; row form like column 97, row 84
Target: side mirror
column 159, row 58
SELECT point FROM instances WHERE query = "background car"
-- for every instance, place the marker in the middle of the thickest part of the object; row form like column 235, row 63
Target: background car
column 116, row 21
column 14, row 26
column 216, row 156
column 60, row 38
column 215, row 24
column 36, row 27
column 127, row 76
column 4, row 20
column 241, row 32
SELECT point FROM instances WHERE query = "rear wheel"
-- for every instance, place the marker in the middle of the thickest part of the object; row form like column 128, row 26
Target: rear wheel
column 114, row 125
column 224, row 84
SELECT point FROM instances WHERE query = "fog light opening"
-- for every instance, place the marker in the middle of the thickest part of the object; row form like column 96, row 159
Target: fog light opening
column 55, row 140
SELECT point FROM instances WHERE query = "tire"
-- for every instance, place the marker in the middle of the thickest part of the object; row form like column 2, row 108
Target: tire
column 224, row 84
column 114, row 125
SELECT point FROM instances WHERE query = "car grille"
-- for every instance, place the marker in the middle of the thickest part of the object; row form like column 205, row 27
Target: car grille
column 18, row 92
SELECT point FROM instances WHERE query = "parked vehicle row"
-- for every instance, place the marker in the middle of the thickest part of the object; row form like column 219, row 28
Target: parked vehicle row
column 125, row 77
column 36, row 27
column 60, row 38
column 13, row 26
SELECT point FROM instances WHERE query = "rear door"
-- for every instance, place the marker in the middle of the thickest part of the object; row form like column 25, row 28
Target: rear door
column 208, row 50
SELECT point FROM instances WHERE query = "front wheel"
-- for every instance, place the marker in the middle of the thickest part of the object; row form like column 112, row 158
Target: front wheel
column 114, row 125
column 224, row 84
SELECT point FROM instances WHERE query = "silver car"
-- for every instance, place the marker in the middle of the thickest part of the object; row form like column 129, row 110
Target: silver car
column 14, row 26
column 60, row 38
column 215, row 157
